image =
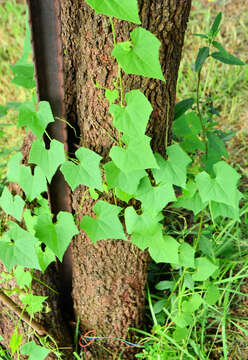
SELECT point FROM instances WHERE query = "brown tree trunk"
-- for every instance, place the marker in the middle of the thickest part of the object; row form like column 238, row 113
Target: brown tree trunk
column 109, row 277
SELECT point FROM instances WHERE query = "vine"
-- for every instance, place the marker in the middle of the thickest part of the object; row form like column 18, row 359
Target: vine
column 178, row 181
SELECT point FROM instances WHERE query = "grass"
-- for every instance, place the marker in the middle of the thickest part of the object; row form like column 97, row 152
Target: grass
column 12, row 31
column 219, row 327
column 227, row 86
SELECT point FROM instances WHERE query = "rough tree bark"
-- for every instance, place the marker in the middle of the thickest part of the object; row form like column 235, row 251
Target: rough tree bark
column 109, row 277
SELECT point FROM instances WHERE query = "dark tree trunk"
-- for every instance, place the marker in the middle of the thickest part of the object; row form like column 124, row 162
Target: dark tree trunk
column 109, row 277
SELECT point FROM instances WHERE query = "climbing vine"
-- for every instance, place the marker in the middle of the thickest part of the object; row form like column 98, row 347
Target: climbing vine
column 192, row 174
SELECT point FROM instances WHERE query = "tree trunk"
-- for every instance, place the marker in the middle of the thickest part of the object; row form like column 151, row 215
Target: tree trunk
column 109, row 277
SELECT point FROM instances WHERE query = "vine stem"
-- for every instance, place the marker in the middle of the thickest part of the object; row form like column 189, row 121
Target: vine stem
column 177, row 283
column 119, row 74
column 24, row 315
column 48, row 135
column 200, row 114
column 119, row 68
column 167, row 126
column 199, row 231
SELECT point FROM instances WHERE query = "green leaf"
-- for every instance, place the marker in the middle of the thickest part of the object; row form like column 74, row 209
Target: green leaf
column 158, row 306
column 217, row 144
column 33, row 303
column 216, row 150
column 164, row 250
column 27, row 48
column 224, row 56
column 186, row 255
column 181, row 334
column 218, row 46
column 35, row 351
column 23, row 278
column 212, row 294
column 14, row 168
column 189, row 126
column 203, row 54
column 107, row 224
column 189, row 282
column 144, row 228
column 86, row 173
column 127, row 182
column 137, row 156
column 47, row 160
column 182, row 106
column 206, row 246
column 45, row 257
column 56, row 236
column 15, row 341
column 225, row 211
column 164, row 285
column 123, row 195
column 223, row 188
column 94, row 195
column 35, row 121
column 147, row 233
column 12, row 205
column 154, row 198
column 17, row 247
column 183, row 319
column 127, row 10
column 111, row 95
column 215, row 27
column 30, row 221
column 190, row 199
column 133, row 118
column 172, row 171
column 227, row 58
column 201, row 35
column 143, row 57
column 32, row 185
column 43, row 208
column 204, row 269
column 23, row 75
column 192, row 304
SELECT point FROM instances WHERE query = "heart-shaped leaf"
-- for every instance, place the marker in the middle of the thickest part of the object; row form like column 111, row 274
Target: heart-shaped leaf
column 86, row 173
column 133, row 118
column 107, row 224
column 127, row 182
column 141, row 57
column 137, row 156
column 47, row 160
column 172, row 171
column 33, row 185
column 56, row 236
column 154, row 198
column 126, row 10
column 12, row 205
column 17, row 247
column 35, row 121
column 223, row 188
